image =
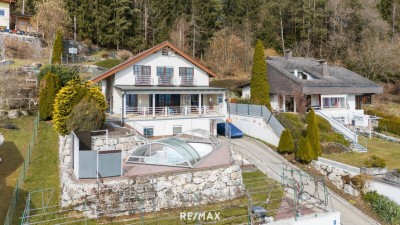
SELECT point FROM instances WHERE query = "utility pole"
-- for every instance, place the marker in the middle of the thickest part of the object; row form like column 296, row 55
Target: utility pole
column 75, row 28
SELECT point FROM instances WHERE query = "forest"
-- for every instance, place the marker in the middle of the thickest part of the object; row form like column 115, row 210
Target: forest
column 362, row 35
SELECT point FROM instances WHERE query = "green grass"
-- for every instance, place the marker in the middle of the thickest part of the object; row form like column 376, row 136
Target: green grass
column 389, row 151
column 108, row 63
column 43, row 171
column 12, row 153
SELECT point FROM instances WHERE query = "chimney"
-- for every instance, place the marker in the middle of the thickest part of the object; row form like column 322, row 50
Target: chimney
column 288, row 54
column 323, row 67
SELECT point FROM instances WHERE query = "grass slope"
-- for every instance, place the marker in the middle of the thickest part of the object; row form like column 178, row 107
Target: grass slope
column 12, row 153
column 389, row 151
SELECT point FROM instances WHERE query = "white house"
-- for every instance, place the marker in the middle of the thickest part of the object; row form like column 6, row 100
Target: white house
column 163, row 91
column 5, row 13
column 298, row 83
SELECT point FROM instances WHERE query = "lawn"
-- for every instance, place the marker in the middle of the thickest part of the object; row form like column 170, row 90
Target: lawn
column 43, row 171
column 389, row 151
column 12, row 153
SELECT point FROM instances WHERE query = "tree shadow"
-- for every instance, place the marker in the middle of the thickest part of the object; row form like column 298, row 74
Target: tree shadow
column 11, row 160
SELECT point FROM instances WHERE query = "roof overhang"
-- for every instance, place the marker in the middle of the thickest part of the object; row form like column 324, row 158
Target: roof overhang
column 168, row 90
column 148, row 52
column 342, row 90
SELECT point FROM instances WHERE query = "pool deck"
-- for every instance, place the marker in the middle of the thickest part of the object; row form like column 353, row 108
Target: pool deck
column 220, row 157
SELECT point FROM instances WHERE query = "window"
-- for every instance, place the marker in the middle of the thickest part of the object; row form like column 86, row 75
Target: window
column 334, row 102
column 2, row 12
column 220, row 99
column 164, row 51
column 165, row 71
column 186, row 74
column 142, row 70
column 177, row 129
column 148, row 132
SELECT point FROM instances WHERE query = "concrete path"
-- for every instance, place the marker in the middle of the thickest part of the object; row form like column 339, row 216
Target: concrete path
column 272, row 164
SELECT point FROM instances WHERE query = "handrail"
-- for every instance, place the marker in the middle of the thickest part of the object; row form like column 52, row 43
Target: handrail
column 344, row 130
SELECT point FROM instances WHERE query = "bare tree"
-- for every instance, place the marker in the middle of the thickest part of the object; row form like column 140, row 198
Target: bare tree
column 51, row 16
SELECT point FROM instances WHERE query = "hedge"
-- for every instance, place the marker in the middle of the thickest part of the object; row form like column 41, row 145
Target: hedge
column 387, row 122
column 49, row 86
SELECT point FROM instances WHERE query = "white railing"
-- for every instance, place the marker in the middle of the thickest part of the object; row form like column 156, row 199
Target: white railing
column 170, row 111
column 141, row 79
column 188, row 80
column 165, row 80
column 338, row 126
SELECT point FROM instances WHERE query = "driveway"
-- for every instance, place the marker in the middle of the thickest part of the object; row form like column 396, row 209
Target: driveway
column 272, row 164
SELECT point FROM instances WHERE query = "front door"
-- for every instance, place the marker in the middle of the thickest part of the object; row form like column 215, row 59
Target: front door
column 359, row 101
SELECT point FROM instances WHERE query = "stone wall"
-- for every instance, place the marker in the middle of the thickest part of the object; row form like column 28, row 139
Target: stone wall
column 339, row 177
column 129, row 194
column 126, row 143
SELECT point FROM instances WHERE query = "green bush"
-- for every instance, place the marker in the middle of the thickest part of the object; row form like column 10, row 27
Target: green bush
column 65, row 73
column 108, row 63
column 313, row 133
column 305, row 152
column 375, row 161
column 49, row 86
column 69, row 96
column 323, row 124
column 390, row 123
column 243, row 101
column 57, row 49
column 286, row 144
column 293, row 123
column 387, row 209
column 332, row 136
column 85, row 116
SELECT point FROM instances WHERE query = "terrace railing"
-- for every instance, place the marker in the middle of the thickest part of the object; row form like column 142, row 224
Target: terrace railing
column 187, row 80
column 165, row 80
column 141, row 79
column 171, row 111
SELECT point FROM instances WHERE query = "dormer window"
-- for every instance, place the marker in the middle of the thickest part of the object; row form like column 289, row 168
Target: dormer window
column 299, row 73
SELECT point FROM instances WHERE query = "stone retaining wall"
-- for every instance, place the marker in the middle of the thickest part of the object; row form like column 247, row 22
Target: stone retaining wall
column 380, row 135
column 341, row 178
column 152, row 193
column 126, row 143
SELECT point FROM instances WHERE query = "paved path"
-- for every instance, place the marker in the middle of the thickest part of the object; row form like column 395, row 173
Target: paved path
column 272, row 164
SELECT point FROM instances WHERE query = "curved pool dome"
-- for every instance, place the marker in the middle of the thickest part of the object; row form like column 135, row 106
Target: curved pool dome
column 184, row 150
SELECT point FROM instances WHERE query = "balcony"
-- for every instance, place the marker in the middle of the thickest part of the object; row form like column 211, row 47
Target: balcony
column 172, row 111
column 141, row 79
column 187, row 81
column 165, row 81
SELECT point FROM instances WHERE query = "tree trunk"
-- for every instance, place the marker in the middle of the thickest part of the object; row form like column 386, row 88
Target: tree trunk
column 282, row 39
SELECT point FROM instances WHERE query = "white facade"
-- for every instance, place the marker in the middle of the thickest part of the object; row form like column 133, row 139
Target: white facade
column 126, row 76
column 5, row 14
column 246, row 91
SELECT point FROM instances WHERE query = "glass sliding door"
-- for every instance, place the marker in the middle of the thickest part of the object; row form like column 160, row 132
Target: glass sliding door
column 131, row 102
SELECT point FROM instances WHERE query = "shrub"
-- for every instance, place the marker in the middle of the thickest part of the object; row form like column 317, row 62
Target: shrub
column 293, row 123
column 334, row 137
column 286, row 142
column 104, row 54
column 305, row 152
column 69, row 96
column 313, row 133
column 85, row 116
column 259, row 86
column 57, row 49
column 49, row 86
column 375, row 161
column 387, row 122
column 108, row 63
column 65, row 73
column 124, row 55
column 243, row 101
column 387, row 209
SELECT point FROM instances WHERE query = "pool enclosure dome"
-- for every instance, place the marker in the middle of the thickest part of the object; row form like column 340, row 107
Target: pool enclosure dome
column 184, row 150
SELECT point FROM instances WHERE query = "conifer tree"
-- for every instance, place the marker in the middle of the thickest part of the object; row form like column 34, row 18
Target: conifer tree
column 313, row 134
column 286, row 144
column 305, row 152
column 49, row 86
column 259, row 86
column 57, row 49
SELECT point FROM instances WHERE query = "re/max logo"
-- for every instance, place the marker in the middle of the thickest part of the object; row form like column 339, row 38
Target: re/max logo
column 211, row 216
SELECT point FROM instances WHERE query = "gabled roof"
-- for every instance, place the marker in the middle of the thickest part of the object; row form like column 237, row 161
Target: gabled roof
column 7, row 1
column 148, row 52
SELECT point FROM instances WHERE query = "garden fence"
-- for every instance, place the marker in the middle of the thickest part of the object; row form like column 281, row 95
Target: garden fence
column 22, row 175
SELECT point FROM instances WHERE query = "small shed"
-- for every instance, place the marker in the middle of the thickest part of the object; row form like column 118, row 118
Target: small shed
column 88, row 163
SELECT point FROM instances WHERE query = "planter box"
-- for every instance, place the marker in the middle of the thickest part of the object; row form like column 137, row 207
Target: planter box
column 392, row 177
column 373, row 170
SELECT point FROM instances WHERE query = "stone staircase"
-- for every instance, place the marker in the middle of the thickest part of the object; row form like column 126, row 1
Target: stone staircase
column 348, row 134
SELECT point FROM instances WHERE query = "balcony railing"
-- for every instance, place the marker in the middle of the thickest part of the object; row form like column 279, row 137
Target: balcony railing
column 141, row 79
column 172, row 111
column 187, row 80
column 165, row 80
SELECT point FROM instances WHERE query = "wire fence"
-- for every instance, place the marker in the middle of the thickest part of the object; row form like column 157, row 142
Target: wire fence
column 22, row 175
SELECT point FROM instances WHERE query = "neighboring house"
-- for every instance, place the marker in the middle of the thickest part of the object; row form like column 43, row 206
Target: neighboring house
column 163, row 91
column 5, row 13
column 23, row 23
column 331, row 89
